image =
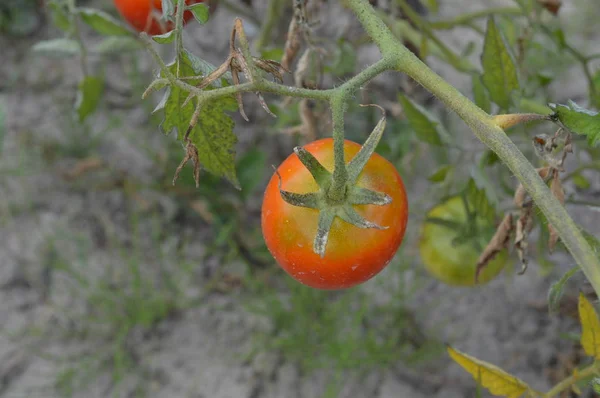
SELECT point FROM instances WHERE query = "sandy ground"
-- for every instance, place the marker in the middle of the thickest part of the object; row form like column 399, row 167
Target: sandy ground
column 200, row 351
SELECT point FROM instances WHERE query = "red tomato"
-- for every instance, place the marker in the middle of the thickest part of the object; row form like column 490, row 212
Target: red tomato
column 353, row 255
column 144, row 15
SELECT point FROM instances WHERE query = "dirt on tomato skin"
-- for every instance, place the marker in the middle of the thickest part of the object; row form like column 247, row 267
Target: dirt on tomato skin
column 199, row 351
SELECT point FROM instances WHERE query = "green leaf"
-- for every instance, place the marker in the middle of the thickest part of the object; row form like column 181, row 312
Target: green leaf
column 432, row 5
column 578, row 120
column 213, row 134
column 480, row 94
column 58, row 48
column 580, row 181
column 556, row 289
column 103, row 23
column 480, row 201
column 200, row 11
column 425, row 126
column 60, row 18
column 440, row 174
column 499, row 71
column 214, row 138
column 117, row 45
column 251, row 170
column 595, row 94
column 88, row 96
column 165, row 38
column 177, row 116
column 168, row 9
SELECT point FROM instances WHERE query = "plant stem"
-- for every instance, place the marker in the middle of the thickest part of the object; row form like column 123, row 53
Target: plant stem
column 77, row 34
column 340, row 174
column 488, row 132
column 467, row 19
column 274, row 11
column 452, row 58
column 179, row 32
column 571, row 380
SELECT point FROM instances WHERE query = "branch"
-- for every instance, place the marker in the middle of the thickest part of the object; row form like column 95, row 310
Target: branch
column 488, row 132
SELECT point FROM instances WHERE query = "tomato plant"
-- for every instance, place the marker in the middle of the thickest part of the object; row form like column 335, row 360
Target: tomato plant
column 353, row 255
column 145, row 15
column 452, row 241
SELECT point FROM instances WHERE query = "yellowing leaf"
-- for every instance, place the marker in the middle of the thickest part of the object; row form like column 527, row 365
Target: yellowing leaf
column 590, row 335
column 497, row 381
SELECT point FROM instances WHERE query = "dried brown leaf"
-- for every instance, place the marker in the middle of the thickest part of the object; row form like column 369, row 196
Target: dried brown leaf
column 272, row 67
column 292, row 45
column 498, row 243
column 191, row 153
column 523, row 228
column 559, row 193
column 201, row 207
column 521, row 193
column 215, row 74
column 238, row 95
column 82, row 167
column 551, row 5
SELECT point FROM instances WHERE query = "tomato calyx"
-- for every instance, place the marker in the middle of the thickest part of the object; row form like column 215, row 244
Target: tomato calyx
column 332, row 202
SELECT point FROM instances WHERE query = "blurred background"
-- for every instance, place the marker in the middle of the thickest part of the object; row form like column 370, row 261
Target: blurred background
column 115, row 283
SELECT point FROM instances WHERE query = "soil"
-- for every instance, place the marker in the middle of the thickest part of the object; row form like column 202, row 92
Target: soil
column 49, row 216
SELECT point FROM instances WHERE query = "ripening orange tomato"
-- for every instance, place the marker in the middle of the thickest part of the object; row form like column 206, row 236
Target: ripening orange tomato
column 353, row 255
column 144, row 15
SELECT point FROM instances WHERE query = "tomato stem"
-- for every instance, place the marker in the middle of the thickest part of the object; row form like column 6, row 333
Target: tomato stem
column 337, row 190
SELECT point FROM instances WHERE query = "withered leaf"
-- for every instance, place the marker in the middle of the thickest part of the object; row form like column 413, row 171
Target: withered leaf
column 524, row 226
column 551, row 5
column 498, row 243
column 521, row 193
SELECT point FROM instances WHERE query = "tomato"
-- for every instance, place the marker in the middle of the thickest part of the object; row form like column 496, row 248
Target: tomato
column 450, row 253
column 353, row 255
column 144, row 15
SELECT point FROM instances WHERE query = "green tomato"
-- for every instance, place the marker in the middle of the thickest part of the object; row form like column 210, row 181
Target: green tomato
column 450, row 245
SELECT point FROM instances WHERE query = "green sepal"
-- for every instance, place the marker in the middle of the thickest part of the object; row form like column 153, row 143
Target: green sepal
column 310, row 200
column 364, row 196
column 357, row 164
column 326, row 218
column 321, row 175
column 348, row 214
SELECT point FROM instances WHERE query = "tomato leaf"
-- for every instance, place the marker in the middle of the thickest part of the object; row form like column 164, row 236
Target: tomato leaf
column 440, row 174
column 165, row 38
column 480, row 94
column 168, row 9
column 117, row 44
column 578, row 120
column 425, row 126
column 478, row 198
column 200, row 11
column 499, row 71
column 213, row 134
column 214, row 138
column 88, row 96
column 556, row 289
column 59, row 48
column 590, row 325
column 60, row 18
column 496, row 380
column 103, row 23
